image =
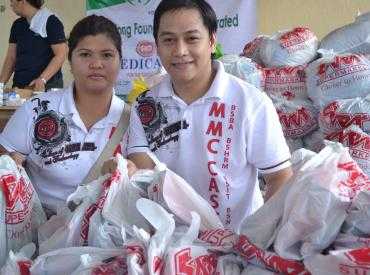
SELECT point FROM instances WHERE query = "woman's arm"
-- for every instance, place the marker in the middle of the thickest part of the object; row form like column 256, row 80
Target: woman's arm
column 60, row 53
column 9, row 63
column 17, row 157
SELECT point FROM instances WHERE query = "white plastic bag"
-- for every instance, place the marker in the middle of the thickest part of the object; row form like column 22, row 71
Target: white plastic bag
column 67, row 260
column 21, row 210
column 317, row 202
column 356, row 261
column 252, row 49
column 342, row 113
column 335, row 77
column 164, row 225
column 351, row 38
column 314, row 141
column 298, row 118
column 286, row 83
column 19, row 262
column 293, row 47
column 244, row 68
column 358, row 143
column 358, row 219
column 262, row 227
column 186, row 256
column 175, row 194
column 347, row 241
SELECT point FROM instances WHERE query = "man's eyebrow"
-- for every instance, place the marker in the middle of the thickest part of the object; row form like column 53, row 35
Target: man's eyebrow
column 171, row 33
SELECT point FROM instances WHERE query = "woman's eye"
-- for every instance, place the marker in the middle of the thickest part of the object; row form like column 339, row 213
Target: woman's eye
column 108, row 55
column 84, row 54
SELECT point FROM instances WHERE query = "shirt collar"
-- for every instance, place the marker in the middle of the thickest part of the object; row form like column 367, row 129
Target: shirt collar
column 217, row 89
column 68, row 107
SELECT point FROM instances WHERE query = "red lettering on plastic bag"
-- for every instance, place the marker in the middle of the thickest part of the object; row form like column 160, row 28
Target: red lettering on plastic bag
column 18, row 195
column 355, row 182
column 343, row 119
column 361, row 259
column 295, row 37
column 271, row 260
column 186, row 265
column 98, row 205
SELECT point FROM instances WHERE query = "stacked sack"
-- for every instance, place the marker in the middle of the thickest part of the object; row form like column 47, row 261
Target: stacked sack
column 339, row 84
column 284, row 57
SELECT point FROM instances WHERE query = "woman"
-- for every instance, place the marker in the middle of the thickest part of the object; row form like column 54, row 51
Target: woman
column 60, row 134
column 37, row 48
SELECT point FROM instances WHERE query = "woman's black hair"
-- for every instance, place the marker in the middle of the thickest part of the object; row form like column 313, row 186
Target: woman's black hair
column 206, row 11
column 94, row 25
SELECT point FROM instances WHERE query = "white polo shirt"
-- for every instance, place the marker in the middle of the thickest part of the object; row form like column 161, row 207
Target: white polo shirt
column 216, row 143
column 59, row 148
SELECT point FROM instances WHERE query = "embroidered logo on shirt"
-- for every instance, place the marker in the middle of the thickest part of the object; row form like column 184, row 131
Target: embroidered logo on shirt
column 154, row 119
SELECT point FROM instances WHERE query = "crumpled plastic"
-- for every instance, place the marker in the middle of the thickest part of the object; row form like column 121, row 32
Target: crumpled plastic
column 317, row 202
column 350, row 261
column 298, row 118
column 358, row 143
column 293, row 47
column 342, row 113
column 351, row 38
column 21, row 212
column 286, row 83
column 244, row 68
column 338, row 76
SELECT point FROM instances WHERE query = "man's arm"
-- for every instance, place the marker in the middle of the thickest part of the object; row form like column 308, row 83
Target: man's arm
column 276, row 180
column 9, row 63
column 60, row 53
column 142, row 160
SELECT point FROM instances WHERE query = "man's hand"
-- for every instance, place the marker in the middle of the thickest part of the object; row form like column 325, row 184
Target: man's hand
column 38, row 84
column 111, row 165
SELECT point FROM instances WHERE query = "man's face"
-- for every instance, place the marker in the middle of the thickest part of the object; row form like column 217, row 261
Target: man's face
column 17, row 6
column 185, row 46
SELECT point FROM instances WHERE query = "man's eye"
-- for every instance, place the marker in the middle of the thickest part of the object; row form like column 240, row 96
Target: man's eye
column 193, row 39
column 167, row 40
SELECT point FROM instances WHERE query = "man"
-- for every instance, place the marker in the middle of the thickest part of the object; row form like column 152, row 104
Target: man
column 37, row 47
column 211, row 128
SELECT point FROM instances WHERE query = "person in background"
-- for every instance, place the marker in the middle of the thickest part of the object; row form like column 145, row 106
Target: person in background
column 37, row 48
column 209, row 127
column 59, row 135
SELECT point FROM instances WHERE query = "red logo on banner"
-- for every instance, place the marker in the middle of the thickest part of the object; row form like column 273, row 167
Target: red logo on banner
column 145, row 48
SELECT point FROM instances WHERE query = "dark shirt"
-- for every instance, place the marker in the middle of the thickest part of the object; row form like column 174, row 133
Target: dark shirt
column 34, row 52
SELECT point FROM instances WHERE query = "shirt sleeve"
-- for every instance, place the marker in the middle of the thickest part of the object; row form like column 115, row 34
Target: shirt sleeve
column 55, row 30
column 137, row 142
column 17, row 134
column 13, row 33
column 267, row 147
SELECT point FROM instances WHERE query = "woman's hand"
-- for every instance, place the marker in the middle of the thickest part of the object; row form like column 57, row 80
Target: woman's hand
column 111, row 165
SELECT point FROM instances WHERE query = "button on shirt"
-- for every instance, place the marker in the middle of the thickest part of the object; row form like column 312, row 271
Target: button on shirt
column 60, row 151
column 217, row 143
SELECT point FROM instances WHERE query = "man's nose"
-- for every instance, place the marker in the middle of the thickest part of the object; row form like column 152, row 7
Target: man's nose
column 181, row 48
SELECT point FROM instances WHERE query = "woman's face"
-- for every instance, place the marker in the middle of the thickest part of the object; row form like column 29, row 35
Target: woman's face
column 95, row 63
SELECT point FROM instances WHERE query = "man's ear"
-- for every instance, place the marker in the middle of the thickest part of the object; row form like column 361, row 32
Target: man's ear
column 213, row 41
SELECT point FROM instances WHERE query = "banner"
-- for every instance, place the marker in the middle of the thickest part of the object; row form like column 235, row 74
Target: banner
column 134, row 18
